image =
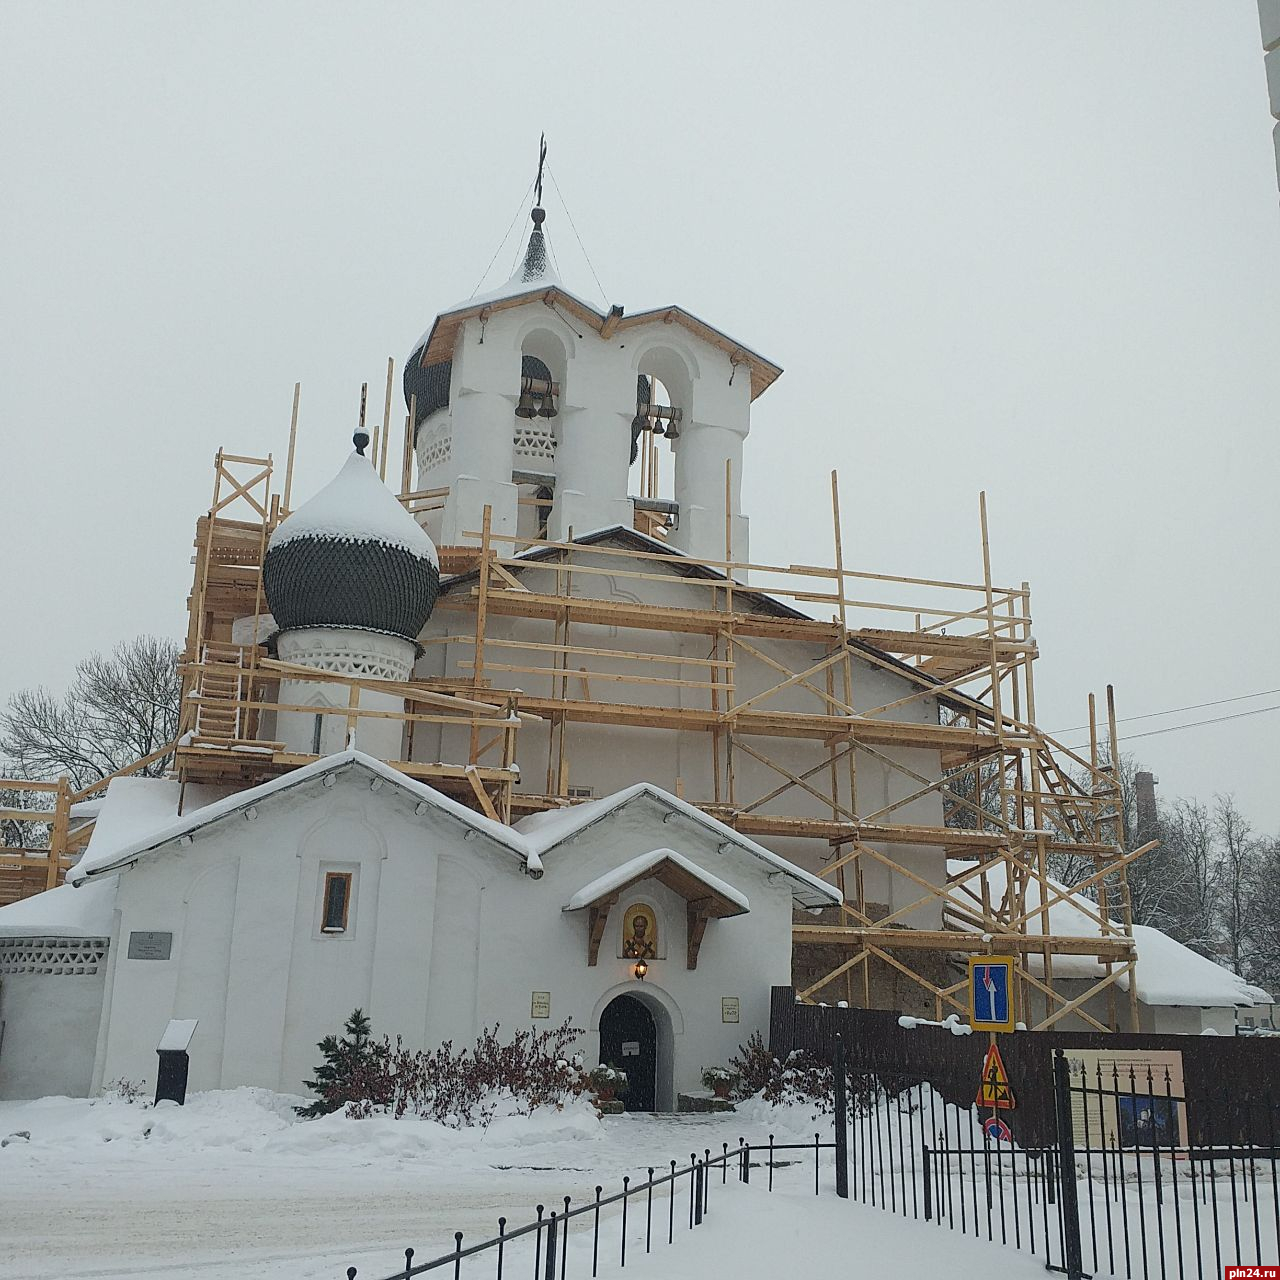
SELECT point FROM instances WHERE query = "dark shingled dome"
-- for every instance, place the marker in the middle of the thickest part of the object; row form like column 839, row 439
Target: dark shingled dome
column 352, row 557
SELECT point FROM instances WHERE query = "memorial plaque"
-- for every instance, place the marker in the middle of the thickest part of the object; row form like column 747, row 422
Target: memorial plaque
column 147, row 944
column 728, row 1008
column 540, row 1005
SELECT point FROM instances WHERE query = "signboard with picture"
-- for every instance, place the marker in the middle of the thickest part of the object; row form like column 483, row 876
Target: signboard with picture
column 1127, row 1098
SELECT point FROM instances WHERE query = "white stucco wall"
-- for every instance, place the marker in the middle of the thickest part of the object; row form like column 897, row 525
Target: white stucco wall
column 446, row 934
column 49, row 1019
column 347, row 652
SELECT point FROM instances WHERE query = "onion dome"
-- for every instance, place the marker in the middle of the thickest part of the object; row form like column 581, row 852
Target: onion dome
column 352, row 556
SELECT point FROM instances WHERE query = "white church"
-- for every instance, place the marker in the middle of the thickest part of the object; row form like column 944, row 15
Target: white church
column 641, row 864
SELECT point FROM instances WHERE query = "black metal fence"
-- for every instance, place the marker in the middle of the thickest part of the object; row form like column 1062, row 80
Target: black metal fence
column 1136, row 1180
column 667, row 1207
column 1127, row 1188
column 1156, row 1200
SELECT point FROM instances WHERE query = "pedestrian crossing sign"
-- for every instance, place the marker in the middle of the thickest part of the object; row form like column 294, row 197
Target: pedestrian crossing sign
column 991, row 993
column 995, row 1090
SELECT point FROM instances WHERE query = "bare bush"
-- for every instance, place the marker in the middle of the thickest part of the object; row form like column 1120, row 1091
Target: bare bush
column 801, row 1078
column 459, row 1089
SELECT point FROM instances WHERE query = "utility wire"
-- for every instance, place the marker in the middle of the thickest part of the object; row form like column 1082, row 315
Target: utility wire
column 604, row 297
column 1195, row 706
column 503, row 241
column 1193, row 724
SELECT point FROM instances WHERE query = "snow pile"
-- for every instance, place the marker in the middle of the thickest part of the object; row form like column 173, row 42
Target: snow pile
column 259, row 1121
column 787, row 1122
column 952, row 1023
column 244, row 1119
column 355, row 506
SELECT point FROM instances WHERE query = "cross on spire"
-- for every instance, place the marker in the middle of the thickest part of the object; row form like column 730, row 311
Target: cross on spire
column 542, row 160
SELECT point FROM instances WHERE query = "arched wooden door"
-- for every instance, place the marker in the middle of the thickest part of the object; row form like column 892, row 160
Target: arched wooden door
column 629, row 1041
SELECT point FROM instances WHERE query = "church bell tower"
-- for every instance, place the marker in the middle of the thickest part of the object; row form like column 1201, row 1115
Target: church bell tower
column 535, row 403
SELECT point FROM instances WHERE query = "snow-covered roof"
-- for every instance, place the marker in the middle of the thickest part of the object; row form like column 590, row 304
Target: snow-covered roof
column 64, row 912
column 355, row 506
column 141, row 817
column 636, row 868
column 106, row 853
column 553, row 827
column 535, row 278
column 1169, row 973
column 764, row 372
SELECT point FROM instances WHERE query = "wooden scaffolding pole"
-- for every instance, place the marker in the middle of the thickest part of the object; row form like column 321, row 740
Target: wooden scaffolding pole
column 293, row 441
column 406, row 461
column 482, row 613
column 1126, row 900
column 730, row 682
column 386, row 419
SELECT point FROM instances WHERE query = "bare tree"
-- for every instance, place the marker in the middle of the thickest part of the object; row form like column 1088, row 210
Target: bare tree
column 120, row 707
column 17, row 833
column 1183, row 876
column 1264, row 931
column 1238, row 851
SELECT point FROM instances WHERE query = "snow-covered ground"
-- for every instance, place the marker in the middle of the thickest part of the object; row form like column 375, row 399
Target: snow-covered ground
column 234, row 1184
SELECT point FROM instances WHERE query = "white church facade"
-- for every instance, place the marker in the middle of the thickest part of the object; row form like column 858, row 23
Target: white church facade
column 270, row 914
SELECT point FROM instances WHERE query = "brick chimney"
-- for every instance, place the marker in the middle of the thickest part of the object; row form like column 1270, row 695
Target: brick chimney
column 1145, row 784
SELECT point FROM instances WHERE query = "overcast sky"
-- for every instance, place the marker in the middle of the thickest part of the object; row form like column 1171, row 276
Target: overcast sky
column 1020, row 246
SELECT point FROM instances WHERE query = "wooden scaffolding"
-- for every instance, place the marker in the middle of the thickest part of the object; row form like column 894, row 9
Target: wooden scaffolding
column 1013, row 796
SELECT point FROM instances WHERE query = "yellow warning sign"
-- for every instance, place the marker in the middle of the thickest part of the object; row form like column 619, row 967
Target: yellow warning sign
column 995, row 1090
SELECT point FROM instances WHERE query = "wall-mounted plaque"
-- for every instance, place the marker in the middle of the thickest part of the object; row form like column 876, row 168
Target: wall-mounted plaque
column 147, row 944
column 540, row 1005
column 728, row 1008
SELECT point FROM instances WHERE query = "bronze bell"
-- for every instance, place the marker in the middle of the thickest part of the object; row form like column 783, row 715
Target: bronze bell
column 527, row 407
column 547, row 409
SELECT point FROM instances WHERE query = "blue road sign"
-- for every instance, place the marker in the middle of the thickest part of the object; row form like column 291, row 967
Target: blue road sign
column 991, row 993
